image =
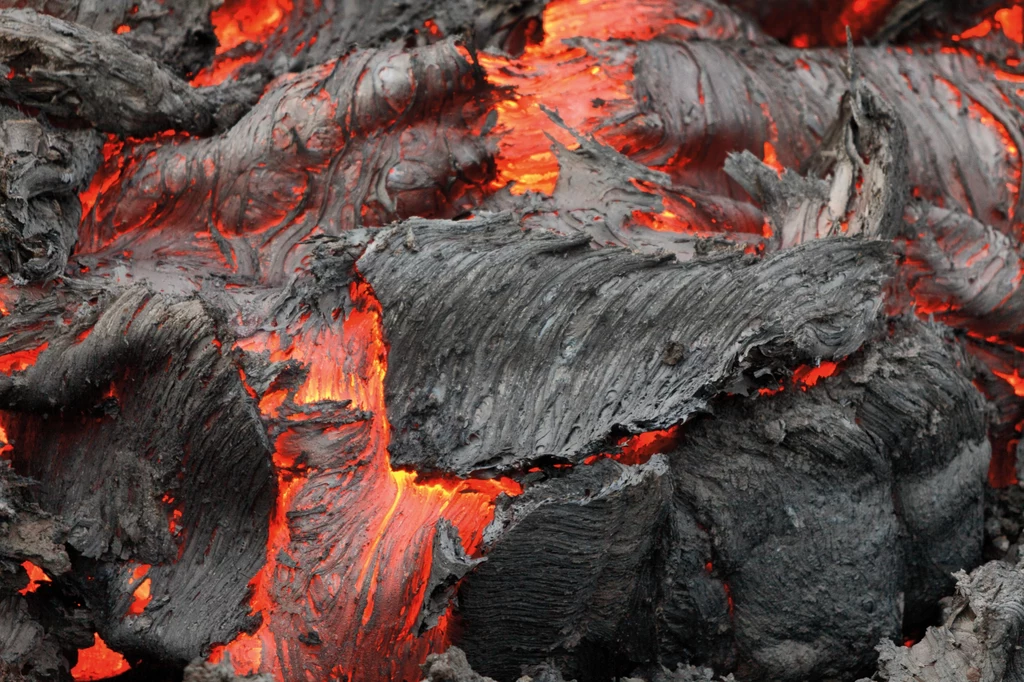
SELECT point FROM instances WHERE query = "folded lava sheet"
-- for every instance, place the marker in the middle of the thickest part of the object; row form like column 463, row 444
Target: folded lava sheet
column 578, row 339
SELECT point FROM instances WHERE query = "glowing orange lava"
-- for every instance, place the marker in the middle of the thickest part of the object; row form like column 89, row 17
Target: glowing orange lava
column 805, row 375
column 98, row 662
column 1008, row 20
column 253, row 21
column 372, row 634
column 36, row 577
column 21, row 359
column 860, row 16
column 1014, row 379
column 567, row 81
column 142, row 594
column 1011, row 22
column 771, row 159
column 236, row 23
column 641, row 447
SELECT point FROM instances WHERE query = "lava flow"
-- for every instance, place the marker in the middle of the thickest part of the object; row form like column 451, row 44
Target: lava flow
column 344, row 590
column 355, row 586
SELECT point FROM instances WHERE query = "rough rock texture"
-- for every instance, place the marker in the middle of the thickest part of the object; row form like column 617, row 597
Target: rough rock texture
column 826, row 465
column 127, row 429
column 964, row 272
column 450, row 666
column 374, row 137
column 980, row 639
column 201, row 671
column 570, row 569
column 855, row 536
column 163, row 424
column 599, row 193
column 675, row 120
column 864, row 157
column 552, row 316
column 316, row 31
column 35, row 630
column 70, row 71
column 41, row 170
column 177, row 33
column 449, row 564
column 824, row 22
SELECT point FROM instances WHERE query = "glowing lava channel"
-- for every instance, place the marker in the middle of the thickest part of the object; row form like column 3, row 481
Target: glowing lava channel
column 568, row 80
column 364, row 597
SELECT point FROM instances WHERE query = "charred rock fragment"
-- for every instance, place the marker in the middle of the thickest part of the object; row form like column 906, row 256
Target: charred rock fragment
column 450, row 666
column 864, row 155
column 201, row 671
column 73, row 72
column 177, row 33
column 41, row 170
column 980, row 636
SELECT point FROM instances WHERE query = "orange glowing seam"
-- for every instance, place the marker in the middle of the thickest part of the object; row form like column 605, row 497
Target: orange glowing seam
column 860, row 16
column 141, row 598
column 978, row 111
column 7, row 447
column 142, row 595
column 107, row 174
column 673, row 216
column 771, row 160
column 1014, row 379
column 98, row 662
column 640, row 448
column 36, row 577
column 222, row 69
column 979, row 31
column 20, row 360
column 806, row 375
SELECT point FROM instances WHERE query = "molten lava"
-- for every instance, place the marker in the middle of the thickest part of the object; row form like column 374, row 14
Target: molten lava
column 142, row 595
column 36, row 577
column 806, row 376
column 98, row 662
column 1014, row 379
column 241, row 23
column 394, row 513
column 19, row 360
